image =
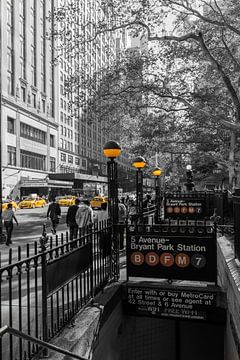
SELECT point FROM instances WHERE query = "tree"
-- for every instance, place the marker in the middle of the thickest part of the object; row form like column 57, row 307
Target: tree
column 182, row 82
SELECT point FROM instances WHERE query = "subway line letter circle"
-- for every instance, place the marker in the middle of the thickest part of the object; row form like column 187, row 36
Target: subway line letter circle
column 152, row 259
column 182, row 260
column 167, row 259
column 137, row 258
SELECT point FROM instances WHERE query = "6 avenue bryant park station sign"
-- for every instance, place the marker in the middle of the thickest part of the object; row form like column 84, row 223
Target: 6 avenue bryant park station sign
column 172, row 257
column 172, row 303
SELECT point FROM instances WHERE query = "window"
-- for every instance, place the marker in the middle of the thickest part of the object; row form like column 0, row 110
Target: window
column 23, row 93
column 32, row 133
column 77, row 161
column 11, row 155
column 52, row 141
column 84, row 163
column 10, row 125
column 32, row 160
column 70, row 159
column 34, row 100
column 63, row 157
column 52, row 164
column 43, row 105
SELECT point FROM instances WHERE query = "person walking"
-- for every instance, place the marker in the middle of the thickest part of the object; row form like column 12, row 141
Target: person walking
column 71, row 220
column 102, row 214
column 54, row 213
column 84, row 214
column 122, row 214
column 8, row 217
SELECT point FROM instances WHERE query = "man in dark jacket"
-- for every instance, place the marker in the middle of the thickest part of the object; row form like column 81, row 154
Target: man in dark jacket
column 54, row 213
column 71, row 221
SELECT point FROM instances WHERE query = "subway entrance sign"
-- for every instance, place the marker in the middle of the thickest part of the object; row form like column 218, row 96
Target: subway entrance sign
column 193, row 205
column 177, row 302
column 179, row 252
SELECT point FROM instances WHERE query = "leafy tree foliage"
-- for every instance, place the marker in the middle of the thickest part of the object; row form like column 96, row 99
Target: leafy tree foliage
column 178, row 92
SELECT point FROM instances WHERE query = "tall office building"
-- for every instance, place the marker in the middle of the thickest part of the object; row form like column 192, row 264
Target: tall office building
column 81, row 134
column 28, row 79
column 48, row 141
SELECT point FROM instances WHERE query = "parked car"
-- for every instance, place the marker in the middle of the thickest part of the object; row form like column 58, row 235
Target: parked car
column 67, row 200
column 97, row 201
column 30, row 203
column 6, row 202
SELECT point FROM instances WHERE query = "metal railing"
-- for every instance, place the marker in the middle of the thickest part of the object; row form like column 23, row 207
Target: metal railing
column 42, row 291
column 8, row 330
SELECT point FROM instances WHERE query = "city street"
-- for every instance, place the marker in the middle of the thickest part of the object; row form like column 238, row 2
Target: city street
column 29, row 230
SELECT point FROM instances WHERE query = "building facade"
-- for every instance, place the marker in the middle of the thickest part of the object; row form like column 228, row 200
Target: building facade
column 28, row 78
column 81, row 134
column 46, row 133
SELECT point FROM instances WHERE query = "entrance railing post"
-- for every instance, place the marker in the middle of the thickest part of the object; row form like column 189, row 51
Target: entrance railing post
column 43, row 242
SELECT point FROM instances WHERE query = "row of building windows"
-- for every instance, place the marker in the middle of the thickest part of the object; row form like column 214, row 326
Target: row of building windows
column 63, row 158
column 66, row 132
column 29, row 132
column 30, row 160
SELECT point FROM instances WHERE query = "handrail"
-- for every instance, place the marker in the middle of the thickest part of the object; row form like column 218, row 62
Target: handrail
column 7, row 329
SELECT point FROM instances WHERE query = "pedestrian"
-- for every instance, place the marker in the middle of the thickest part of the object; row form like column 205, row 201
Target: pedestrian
column 133, row 212
column 122, row 214
column 54, row 213
column 71, row 220
column 102, row 214
column 105, row 235
column 84, row 214
column 8, row 216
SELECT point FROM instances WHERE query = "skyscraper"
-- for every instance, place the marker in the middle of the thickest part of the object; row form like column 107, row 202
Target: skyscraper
column 28, row 121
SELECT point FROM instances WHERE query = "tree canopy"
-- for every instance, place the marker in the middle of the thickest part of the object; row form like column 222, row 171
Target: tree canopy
column 177, row 92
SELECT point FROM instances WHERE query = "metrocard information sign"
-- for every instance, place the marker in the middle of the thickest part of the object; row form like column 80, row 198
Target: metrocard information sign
column 176, row 303
column 173, row 257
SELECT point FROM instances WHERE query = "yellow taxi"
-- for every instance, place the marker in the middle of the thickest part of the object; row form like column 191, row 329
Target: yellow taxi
column 67, row 200
column 31, row 203
column 6, row 202
column 97, row 201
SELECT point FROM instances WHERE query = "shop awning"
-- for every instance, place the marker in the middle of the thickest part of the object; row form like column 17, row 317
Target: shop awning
column 46, row 183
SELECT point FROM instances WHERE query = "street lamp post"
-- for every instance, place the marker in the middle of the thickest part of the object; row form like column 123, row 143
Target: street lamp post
column 157, row 173
column 189, row 184
column 139, row 163
column 112, row 150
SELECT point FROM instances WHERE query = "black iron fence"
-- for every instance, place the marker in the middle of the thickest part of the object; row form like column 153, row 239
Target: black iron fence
column 236, row 217
column 40, row 293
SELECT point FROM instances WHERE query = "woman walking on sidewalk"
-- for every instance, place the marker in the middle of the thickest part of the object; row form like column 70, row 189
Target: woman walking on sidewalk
column 8, row 216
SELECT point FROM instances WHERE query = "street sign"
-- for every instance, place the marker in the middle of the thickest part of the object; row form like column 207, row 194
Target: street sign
column 187, row 253
column 172, row 303
column 185, row 205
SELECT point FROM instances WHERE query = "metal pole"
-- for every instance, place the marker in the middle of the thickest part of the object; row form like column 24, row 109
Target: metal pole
column 43, row 242
column 158, row 199
column 113, row 212
column 112, row 190
column 139, row 192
